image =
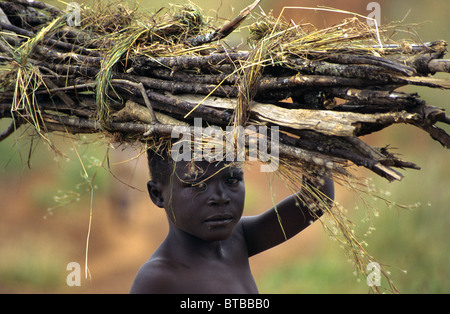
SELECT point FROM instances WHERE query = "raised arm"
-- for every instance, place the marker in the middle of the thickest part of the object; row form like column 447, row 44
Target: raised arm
column 265, row 231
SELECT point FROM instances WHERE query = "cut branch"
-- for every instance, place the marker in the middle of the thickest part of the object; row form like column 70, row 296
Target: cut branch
column 437, row 65
column 9, row 130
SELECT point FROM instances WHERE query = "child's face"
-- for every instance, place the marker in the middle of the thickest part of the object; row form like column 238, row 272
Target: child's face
column 205, row 200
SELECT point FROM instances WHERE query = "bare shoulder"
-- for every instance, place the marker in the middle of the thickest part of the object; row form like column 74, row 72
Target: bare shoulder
column 155, row 276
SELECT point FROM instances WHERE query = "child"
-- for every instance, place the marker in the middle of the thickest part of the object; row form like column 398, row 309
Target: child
column 208, row 245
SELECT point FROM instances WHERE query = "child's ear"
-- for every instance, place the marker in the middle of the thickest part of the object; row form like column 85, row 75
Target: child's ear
column 155, row 192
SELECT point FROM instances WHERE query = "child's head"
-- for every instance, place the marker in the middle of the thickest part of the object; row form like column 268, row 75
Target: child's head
column 160, row 164
column 204, row 199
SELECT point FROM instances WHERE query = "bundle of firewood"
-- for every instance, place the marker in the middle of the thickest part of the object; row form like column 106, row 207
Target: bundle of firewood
column 133, row 76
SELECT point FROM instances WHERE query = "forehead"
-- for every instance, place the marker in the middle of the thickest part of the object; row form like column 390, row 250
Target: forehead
column 203, row 170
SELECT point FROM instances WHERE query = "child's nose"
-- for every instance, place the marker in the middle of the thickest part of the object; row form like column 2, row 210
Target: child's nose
column 218, row 196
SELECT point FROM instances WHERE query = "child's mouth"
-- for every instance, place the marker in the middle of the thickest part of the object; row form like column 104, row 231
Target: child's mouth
column 219, row 220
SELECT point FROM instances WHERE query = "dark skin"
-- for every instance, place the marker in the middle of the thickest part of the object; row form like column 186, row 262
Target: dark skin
column 209, row 243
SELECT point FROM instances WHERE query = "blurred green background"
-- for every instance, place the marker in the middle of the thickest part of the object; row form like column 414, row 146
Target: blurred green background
column 45, row 207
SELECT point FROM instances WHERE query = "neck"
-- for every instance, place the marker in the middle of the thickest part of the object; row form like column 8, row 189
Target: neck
column 189, row 245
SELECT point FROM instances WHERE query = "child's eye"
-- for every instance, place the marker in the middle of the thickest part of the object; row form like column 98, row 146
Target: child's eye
column 233, row 181
column 201, row 186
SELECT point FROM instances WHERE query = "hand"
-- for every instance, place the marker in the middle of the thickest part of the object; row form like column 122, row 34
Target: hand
column 320, row 189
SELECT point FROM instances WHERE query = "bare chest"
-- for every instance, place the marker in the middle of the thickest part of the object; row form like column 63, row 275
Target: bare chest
column 217, row 278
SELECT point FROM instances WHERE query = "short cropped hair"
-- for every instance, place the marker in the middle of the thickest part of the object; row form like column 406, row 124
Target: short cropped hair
column 160, row 164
